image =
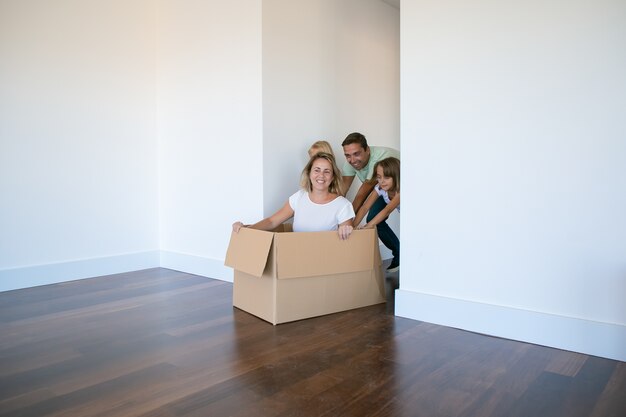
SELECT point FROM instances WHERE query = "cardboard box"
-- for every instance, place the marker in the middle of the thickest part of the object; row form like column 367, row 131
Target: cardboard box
column 283, row 276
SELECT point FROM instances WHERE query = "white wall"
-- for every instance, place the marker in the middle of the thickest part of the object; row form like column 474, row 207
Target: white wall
column 132, row 132
column 209, row 127
column 512, row 141
column 513, row 123
column 330, row 67
column 78, row 181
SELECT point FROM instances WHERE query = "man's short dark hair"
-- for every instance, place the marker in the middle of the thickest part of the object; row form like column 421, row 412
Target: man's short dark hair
column 355, row 137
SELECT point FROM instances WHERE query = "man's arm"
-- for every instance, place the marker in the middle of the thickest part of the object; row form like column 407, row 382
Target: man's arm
column 365, row 190
column 367, row 205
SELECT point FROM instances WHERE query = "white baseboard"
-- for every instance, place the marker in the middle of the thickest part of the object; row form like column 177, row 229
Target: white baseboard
column 36, row 275
column 589, row 337
column 32, row 276
column 197, row 265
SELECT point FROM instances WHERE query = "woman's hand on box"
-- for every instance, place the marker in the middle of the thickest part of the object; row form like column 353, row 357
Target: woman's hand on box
column 344, row 231
column 237, row 226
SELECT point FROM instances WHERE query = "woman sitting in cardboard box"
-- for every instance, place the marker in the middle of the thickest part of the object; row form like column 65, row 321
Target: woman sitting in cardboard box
column 318, row 206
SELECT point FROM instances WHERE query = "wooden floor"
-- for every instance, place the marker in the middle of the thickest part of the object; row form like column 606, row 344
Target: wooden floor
column 164, row 343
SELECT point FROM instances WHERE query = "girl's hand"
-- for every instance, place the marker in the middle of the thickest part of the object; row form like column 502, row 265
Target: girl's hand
column 365, row 226
column 344, row 231
column 237, row 226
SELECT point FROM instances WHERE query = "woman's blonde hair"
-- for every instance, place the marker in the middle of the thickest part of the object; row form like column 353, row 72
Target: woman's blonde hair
column 336, row 185
column 391, row 168
column 321, row 146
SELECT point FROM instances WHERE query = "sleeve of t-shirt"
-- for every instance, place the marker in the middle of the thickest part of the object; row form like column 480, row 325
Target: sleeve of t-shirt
column 294, row 199
column 346, row 212
column 348, row 170
column 388, row 152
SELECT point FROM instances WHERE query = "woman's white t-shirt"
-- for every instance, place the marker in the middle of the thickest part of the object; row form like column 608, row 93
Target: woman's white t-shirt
column 312, row 217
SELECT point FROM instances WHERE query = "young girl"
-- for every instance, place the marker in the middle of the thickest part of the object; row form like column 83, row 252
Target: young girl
column 387, row 194
column 318, row 205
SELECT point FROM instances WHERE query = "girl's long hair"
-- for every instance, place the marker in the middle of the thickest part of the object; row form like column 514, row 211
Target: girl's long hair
column 391, row 168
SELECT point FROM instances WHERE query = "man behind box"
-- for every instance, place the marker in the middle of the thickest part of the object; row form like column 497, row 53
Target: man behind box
column 360, row 161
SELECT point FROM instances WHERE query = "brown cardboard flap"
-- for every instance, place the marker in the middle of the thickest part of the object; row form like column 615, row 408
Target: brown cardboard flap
column 248, row 251
column 323, row 253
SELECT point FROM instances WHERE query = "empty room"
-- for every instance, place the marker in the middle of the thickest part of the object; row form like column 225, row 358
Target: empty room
column 134, row 135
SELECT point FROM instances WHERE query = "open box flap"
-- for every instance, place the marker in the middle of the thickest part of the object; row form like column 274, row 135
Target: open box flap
column 248, row 251
column 323, row 253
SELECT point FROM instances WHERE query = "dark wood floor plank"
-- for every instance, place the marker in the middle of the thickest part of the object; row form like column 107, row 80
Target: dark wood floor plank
column 566, row 363
column 62, row 297
column 160, row 343
column 587, row 387
column 525, row 364
column 302, row 362
column 93, row 399
column 612, row 402
column 544, row 397
column 34, row 357
column 25, row 400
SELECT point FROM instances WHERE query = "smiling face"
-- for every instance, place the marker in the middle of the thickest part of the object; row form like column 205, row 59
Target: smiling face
column 356, row 155
column 321, row 175
column 385, row 183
